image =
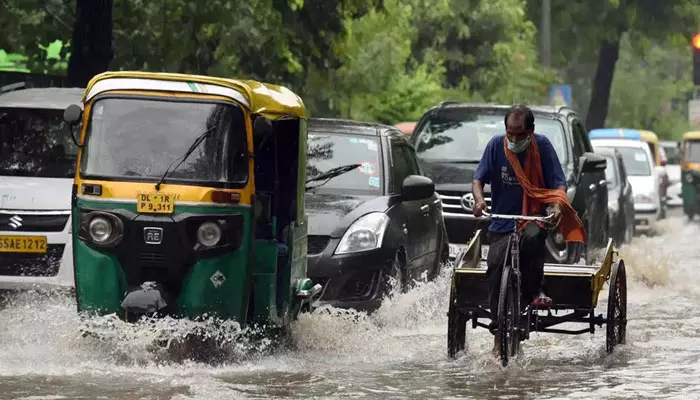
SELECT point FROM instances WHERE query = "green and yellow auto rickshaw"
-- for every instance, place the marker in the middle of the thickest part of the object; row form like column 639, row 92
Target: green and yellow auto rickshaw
column 188, row 199
column 690, row 173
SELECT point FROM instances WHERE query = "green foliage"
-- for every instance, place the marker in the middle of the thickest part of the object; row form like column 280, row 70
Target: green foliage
column 647, row 85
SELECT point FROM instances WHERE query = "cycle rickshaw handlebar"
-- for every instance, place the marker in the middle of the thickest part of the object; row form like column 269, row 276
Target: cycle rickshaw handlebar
column 547, row 219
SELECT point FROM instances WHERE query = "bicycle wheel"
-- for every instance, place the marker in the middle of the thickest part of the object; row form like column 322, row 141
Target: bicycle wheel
column 456, row 328
column 508, row 317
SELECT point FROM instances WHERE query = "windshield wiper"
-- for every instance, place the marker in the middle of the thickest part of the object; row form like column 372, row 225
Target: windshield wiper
column 182, row 159
column 332, row 173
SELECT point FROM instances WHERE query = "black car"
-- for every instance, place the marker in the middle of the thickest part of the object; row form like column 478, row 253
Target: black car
column 372, row 215
column 621, row 198
column 450, row 139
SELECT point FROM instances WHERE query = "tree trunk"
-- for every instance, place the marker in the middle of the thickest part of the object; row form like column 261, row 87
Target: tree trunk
column 91, row 47
column 602, row 82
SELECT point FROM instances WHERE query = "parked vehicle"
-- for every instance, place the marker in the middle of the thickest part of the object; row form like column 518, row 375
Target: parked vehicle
column 672, row 149
column 37, row 163
column 690, row 172
column 639, row 165
column 372, row 215
column 450, row 139
column 659, row 158
column 173, row 216
column 620, row 196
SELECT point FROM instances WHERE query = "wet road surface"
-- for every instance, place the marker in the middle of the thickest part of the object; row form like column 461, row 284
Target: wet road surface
column 399, row 353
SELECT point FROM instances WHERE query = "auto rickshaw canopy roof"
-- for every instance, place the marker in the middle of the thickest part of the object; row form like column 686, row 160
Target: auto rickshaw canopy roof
column 649, row 136
column 692, row 135
column 271, row 101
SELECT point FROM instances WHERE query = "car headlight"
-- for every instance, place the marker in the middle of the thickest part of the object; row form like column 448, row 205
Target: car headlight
column 209, row 234
column 366, row 233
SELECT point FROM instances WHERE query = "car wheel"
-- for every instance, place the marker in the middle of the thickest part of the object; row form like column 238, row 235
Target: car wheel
column 629, row 233
column 443, row 256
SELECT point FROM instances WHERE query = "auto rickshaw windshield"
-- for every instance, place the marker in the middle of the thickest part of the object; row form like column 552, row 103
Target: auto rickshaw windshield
column 692, row 151
column 138, row 139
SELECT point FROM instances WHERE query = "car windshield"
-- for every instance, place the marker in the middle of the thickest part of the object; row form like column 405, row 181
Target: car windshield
column 328, row 150
column 610, row 172
column 692, row 151
column 36, row 143
column 637, row 162
column 138, row 139
column 460, row 137
column 673, row 154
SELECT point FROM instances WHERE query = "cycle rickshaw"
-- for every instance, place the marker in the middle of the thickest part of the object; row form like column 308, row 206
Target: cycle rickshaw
column 573, row 288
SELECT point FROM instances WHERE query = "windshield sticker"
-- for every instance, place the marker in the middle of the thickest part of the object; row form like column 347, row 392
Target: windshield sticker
column 374, row 181
column 367, row 168
column 372, row 146
column 639, row 157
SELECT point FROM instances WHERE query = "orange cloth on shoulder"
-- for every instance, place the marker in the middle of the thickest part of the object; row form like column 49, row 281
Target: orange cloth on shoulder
column 532, row 182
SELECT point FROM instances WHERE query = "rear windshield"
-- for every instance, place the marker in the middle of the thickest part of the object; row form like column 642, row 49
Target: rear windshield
column 692, row 151
column 35, row 143
column 459, row 136
column 636, row 161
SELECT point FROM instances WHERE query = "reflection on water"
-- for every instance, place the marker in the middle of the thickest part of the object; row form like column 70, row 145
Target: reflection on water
column 399, row 352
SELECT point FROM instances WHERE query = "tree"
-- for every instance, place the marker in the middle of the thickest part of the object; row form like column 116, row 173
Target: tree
column 91, row 47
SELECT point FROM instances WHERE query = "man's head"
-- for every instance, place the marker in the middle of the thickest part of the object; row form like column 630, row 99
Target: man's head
column 520, row 123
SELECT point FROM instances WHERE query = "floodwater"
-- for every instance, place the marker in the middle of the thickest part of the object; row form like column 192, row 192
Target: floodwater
column 400, row 353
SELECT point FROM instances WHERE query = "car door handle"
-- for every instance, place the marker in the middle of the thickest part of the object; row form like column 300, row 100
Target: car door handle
column 425, row 208
column 603, row 182
column 592, row 187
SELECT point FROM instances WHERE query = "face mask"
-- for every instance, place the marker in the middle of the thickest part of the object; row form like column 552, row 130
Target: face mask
column 520, row 146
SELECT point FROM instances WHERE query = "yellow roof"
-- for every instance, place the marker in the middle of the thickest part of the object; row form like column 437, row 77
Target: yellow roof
column 272, row 101
column 649, row 136
column 691, row 135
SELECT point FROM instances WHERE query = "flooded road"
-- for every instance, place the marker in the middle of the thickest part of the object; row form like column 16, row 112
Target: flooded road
column 400, row 353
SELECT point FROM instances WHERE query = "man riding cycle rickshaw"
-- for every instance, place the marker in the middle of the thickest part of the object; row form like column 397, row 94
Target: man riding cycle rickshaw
column 526, row 179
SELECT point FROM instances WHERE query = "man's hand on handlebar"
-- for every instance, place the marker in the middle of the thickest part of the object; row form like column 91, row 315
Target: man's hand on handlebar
column 555, row 211
column 479, row 208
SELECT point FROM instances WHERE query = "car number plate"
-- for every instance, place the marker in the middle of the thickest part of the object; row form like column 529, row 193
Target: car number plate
column 23, row 244
column 456, row 248
column 157, row 203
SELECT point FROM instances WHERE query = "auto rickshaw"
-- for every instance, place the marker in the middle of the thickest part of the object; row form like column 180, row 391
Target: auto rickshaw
column 690, row 173
column 188, row 199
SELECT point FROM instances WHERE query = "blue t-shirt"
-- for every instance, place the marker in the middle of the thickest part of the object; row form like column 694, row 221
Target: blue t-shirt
column 506, row 192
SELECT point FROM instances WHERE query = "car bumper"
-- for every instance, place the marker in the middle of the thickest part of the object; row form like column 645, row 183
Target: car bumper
column 50, row 272
column 645, row 215
column 350, row 280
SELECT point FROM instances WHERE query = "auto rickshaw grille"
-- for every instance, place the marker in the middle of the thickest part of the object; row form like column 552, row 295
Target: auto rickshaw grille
column 152, row 258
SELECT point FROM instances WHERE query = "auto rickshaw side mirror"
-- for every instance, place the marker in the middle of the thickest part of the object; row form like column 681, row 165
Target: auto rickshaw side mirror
column 73, row 114
column 417, row 187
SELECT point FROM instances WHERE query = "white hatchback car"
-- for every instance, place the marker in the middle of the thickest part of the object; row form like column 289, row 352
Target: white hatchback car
column 640, row 172
column 37, row 165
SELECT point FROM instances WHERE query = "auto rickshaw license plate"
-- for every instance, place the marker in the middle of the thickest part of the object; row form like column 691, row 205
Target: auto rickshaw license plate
column 22, row 244
column 157, row 203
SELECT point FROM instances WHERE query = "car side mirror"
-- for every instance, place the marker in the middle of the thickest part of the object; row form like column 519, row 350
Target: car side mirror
column 417, row 187
column 73, row 114
column 592, row 163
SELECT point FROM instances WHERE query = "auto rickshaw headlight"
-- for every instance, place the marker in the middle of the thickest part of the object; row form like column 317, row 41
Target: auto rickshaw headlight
column 209, row 234
column 101, row 228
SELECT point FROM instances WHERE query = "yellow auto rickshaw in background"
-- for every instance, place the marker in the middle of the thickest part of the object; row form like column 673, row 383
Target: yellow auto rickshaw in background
column 188, row 199
column 657, row 153
column 690, row 173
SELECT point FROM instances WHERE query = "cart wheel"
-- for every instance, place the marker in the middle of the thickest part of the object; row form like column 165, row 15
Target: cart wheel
column 616, row 325
column 508, row 317
column 456, row 331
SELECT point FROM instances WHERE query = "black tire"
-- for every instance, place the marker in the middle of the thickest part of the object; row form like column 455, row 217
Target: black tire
column 508, row 324
column 456, row 329
column 629, row 234
column 616, row 319
column 442, row 257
